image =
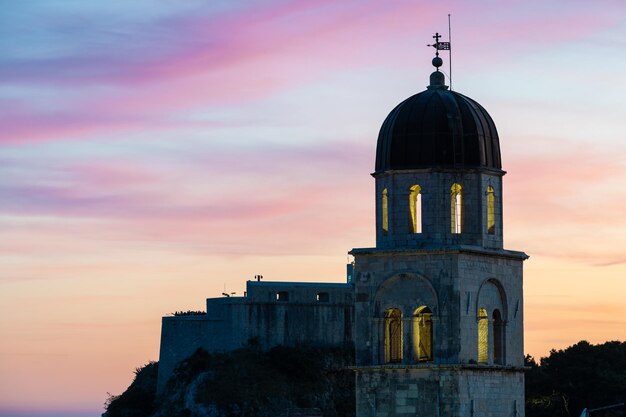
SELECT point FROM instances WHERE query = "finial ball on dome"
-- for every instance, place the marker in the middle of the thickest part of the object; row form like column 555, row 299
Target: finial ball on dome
column 437, row 62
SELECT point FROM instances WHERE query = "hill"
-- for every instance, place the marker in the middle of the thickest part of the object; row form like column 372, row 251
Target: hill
column 245, row 382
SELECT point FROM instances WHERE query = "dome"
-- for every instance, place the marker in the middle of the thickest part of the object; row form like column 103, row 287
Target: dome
column 438, row 128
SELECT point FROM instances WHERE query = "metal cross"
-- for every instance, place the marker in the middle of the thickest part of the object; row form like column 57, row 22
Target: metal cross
column 436, row 45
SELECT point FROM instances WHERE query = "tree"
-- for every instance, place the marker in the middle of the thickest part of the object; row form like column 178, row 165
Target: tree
column 581, row 376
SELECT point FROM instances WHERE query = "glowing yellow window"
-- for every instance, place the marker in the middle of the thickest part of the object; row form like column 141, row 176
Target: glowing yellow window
column 423, row 334
column 385, row 210
column 491, row 211
column 483, row 336
column 456, row 208
column 415, row 208
column 393, row 335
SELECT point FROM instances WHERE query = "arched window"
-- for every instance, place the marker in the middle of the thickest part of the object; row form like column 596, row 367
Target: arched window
column 393, row 335
column 385, row 210
column 483, row 336
column 456, row 208
column 491, row 211
column 498, row 338
column 423, row 334
column 415, row 208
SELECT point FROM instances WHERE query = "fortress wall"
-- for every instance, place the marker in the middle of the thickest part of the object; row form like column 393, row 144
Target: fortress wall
column 181, row 336
column 291, row 324
column 298, row 292
column 312, row 313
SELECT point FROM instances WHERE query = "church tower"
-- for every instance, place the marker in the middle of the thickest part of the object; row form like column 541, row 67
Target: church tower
column 439, row 306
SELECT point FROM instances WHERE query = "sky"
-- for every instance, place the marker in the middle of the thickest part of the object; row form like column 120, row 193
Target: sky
column 156, row 153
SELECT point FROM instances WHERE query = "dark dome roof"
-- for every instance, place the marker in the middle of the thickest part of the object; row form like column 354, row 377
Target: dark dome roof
column 438, row 128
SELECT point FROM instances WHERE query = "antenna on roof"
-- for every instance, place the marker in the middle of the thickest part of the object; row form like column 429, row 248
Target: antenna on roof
column 450, row 51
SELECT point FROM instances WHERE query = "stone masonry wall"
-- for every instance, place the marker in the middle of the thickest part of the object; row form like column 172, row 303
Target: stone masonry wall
column 433, row 392
column 435, row 208
column 479, row 388
column 181, row 336
column 457, row 279
column 313, row 313
column 454, row 282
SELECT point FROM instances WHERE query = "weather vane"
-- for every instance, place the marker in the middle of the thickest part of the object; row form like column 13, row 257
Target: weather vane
column 439, row 46
column 443, row 46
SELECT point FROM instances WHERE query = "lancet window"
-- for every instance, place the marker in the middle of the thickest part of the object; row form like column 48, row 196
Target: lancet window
column 423, row 334
column 415, row 208
column 483, row 336
column 385, row 211
column 491, row 211
column 393, row 336
column 456, row 208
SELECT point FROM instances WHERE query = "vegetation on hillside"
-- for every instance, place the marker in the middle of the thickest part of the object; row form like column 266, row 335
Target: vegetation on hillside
column 139, row 398
column 250, row 382
column 247, row 382
column 581, row 376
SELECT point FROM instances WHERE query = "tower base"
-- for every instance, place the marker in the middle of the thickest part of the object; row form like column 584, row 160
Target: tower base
column 439, row 391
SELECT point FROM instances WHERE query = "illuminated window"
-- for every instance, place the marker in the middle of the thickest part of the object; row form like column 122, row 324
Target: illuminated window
column 282, row 296
column 498, row 338
column 423, row 334
column 491, row 211
column 393, row 335
column 385, row 209
column 456, row 208
column 322, row 297
column 483, row 336
column 415, row 208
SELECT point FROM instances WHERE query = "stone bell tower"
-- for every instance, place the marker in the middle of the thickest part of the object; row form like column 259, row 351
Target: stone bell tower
column 439, row 304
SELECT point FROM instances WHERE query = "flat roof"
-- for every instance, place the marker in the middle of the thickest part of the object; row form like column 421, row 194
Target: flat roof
column 299, row 284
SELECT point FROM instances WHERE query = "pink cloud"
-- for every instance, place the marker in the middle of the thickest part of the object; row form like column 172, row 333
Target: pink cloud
column 240, row 57
column 236, row 58
column 306, row 199
column 112, row 174
column 566, row 202
column 547, row 183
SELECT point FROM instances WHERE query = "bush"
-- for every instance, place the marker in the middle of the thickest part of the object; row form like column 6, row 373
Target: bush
column 251, row 382
column 139, row 398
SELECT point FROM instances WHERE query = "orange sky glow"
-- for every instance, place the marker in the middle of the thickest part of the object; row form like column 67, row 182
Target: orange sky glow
column 156, row 157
